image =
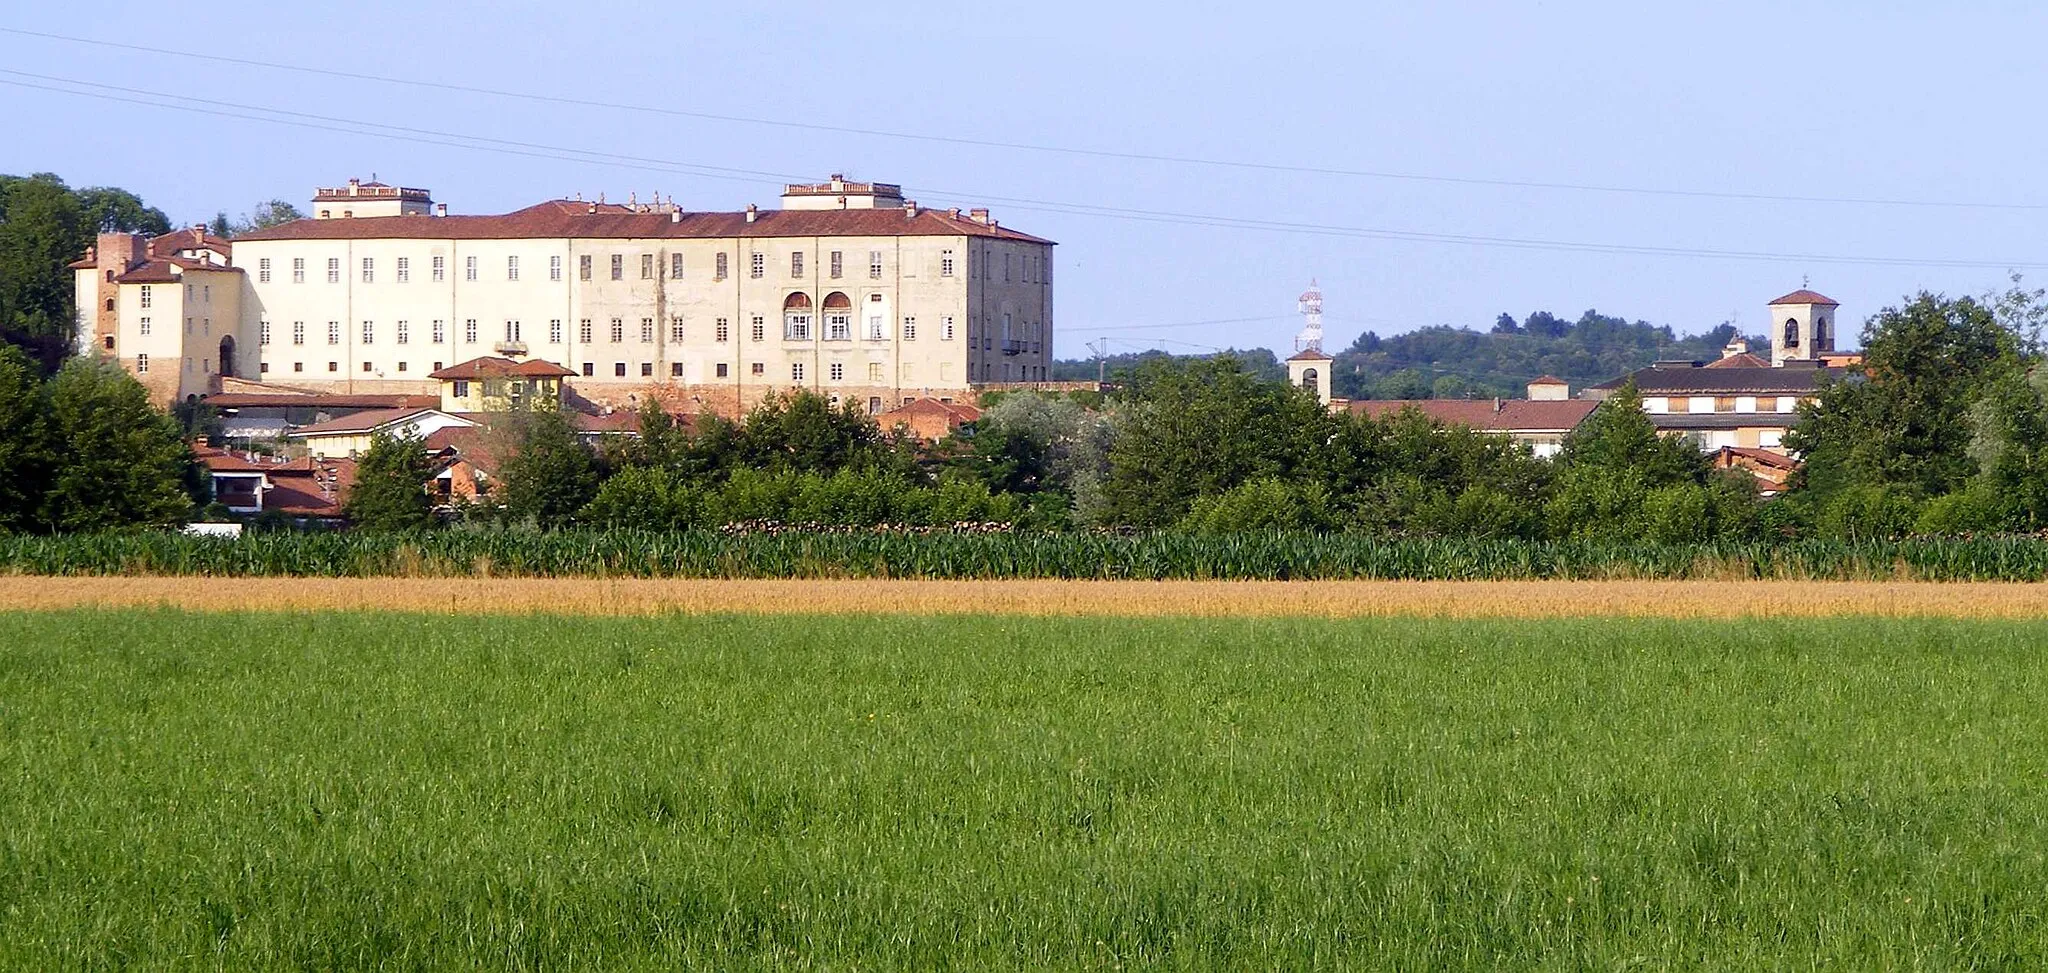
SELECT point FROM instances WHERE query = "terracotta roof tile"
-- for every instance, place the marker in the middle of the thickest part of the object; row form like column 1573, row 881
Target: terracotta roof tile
column 1743, row 360
column 1512, row 415
column 1804, row 296
column 493, row 367
column 574, row 220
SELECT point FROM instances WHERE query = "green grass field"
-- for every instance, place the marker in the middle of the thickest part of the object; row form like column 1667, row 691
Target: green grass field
column 184, row 791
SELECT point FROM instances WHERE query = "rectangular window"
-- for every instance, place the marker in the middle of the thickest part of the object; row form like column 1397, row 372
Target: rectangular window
column 945, row 263
column 946, row 328
column 646, row 329
column 796, row 264
column 874, row 265
column 369, row 333
column 675, row 369
column 675, row 329
column 619, row 267
column 298, row 332
column 469, row 331
column 555, row 267
column 513, row 334
column 759, row 329
column 583, row 331
column 334, row 332
column 469, row 268
column 298, row 270
column 838, row 327
column 718, row 267
column 838, row 264
column 366, row 366
column 583, row 267
column 145, row 326
column 619, row 369
column 440, row 270
column 837, row 372
column 758, row 369
column 757, row 265
column 909, row 328
column 618, row 330
column 334, row 270
column 875, row 332
column 874, row 371
column 722, row 370
column 511, row 268
column 334, row 366
column 440, row 334
column 142, row 363
column 263, row 271
column 903, row 373
column 675, row 266
column 404, row 333
column 145, row 297
column 647, row 369
column 589, row 369
column 796, row 327
column 796, row 371
column 646, row 266
column 555, row 331
column 405, row 270
column 724, row 331
column 1006, row 268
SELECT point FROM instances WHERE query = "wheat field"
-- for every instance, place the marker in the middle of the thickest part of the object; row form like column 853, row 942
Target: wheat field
column 1305, row 599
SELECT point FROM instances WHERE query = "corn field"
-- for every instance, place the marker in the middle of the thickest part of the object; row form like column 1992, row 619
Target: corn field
column 1248, row 556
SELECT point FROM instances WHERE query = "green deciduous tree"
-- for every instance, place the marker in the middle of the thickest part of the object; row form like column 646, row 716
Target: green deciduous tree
column 123, row 463
column 1903, row 420
column 390, row 491
column 551, row 474
column 25, row 458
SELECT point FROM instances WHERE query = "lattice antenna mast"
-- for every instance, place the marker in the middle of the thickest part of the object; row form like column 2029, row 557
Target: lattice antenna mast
column 1310, row 307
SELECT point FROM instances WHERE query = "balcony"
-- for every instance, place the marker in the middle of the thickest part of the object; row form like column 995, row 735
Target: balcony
column 1013, row 347
column 510, row 348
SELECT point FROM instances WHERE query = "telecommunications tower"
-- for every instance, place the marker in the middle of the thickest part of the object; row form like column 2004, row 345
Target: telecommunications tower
column 1310, row 307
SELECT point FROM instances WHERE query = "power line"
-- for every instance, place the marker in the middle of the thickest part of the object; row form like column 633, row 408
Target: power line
column 571, row 154
column 1038, row 147
column 1164, row 327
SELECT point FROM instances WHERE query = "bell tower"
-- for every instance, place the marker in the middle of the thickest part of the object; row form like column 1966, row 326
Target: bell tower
column 1802, row 327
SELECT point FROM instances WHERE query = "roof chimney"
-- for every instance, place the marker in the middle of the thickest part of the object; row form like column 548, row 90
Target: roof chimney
column 978, row 216
column 440, row 209
column 1737, row 347
column 752, row 212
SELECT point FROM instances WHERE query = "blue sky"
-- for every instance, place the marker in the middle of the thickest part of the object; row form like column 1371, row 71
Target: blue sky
column 1922, row 103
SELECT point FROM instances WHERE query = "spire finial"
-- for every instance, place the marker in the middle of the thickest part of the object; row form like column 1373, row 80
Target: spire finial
column 1805, row 281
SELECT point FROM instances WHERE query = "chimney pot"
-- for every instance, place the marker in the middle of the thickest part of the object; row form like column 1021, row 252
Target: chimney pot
column 978, row 215
column 752, row 212
column 440, row 209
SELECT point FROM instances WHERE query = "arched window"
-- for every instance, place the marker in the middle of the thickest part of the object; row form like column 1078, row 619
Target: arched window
column 110, row 276
column 838, row 317
column 110, row 303
column 1820, row 334
column 1308, row 379
column 796, row 317
column 227, row 357
column 1791, row 332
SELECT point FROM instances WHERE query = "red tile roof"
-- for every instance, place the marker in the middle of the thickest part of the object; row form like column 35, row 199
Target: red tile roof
column 168, row 244
column 493, row 367
column 361, row 422
column 472, row 445
column 1512, row 415
column 308, row 488
column 157, row 270
column 1309, row 354
column 1804, row 296
column 223, row 461
column 317, row 400
column 1743, row 360
column 562, row 218
column 1548, row 380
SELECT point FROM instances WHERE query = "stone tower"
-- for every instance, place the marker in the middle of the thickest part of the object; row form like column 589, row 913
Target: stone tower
column 1802, row 327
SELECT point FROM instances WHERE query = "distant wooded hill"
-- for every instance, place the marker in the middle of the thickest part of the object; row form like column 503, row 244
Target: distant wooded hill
column 1447, row 362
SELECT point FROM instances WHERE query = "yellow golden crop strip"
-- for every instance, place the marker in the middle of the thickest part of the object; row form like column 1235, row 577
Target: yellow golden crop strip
column 1307, row 599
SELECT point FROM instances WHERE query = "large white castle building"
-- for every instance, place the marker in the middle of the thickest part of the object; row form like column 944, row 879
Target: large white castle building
column 847, row 289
